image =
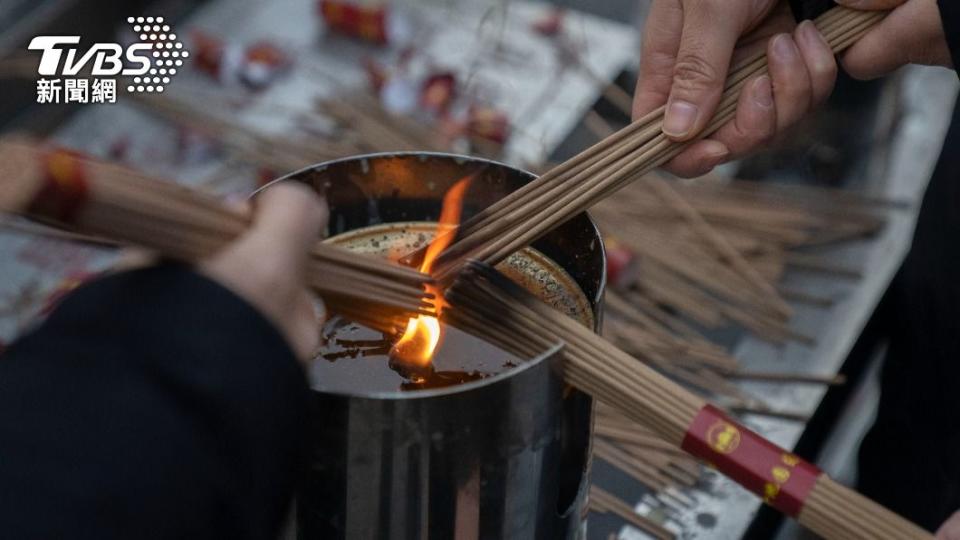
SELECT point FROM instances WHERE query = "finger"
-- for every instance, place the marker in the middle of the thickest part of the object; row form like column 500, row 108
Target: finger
column 661, row 40
column 699, row 159
column 910, row 34
column 792, row 89
column 951, row 529
column 287, row 222
column 710, row 34
column 753, row 126
column 871, row 5
column 308, row 315
column 820, row 61
column 755, row 123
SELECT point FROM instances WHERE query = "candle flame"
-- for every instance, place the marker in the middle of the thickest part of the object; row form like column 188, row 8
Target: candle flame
column 422, row 335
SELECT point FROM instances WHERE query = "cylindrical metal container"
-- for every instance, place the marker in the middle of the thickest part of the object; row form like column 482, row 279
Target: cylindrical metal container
column 505, row 457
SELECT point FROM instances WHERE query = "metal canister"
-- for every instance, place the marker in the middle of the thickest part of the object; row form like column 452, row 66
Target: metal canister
column 505, row 457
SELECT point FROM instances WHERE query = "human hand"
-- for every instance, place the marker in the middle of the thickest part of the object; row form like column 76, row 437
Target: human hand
column 912, row 34
column 266, row 266
column 951, row 529
column 688, row 48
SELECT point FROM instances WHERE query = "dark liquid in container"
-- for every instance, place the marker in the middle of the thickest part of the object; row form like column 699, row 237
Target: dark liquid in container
column 356, row 359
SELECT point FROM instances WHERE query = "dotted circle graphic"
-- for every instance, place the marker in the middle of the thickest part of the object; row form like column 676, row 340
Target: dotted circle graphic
column 167, row 51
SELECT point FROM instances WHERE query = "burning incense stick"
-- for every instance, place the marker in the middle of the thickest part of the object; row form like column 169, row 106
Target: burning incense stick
column 487, row 304
column 613, row 163
column 120, row 204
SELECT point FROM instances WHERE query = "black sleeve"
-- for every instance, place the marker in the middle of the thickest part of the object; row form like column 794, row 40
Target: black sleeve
column 950, row 14
column 810, row 9
column 153, row 404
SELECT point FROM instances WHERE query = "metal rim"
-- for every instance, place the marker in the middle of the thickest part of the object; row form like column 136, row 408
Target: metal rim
column 597, row 301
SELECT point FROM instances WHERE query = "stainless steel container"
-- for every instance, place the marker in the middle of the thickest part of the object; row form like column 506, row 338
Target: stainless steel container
column 506, row 457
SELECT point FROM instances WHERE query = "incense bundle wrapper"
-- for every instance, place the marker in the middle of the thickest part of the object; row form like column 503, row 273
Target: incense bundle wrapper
column 503, row 457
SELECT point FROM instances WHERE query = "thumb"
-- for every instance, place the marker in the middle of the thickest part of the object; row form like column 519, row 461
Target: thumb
column 710, row 34
column 870, row 5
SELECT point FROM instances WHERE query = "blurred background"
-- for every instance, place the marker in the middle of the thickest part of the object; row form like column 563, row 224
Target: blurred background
column 260, row 89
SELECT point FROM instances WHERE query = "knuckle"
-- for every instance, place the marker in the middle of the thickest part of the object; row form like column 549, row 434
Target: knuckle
column 693, row 73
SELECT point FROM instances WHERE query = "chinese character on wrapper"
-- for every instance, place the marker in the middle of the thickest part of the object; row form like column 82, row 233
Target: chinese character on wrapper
column 104, row 91
column 76, row 90
column 48, row 90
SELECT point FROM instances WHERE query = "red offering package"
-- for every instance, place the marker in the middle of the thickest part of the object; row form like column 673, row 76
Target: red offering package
column 619, row 261
column 208, row 52
column 363, row 19
column 552, row 24
column 438, row 92
column 488, row 123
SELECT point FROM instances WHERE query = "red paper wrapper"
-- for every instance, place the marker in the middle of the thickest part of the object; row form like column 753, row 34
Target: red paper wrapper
column 782, row 479
column 346, row 17
column 65, row 186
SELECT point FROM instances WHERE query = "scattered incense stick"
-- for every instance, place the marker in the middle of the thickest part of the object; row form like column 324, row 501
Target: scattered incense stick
column 117, row 203
column 487, row 304
column 603, row 502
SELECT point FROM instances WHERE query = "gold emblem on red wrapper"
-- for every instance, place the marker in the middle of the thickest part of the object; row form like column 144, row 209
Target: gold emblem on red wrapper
column 723, row 437
column 782, row 479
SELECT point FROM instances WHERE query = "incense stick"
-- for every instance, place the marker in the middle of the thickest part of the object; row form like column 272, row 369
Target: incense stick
column 618, row 160
column 117, row 203
column 487, row 304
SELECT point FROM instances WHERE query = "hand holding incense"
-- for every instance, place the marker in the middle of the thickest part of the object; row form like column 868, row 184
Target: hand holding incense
column 620, row 159
column 484, row 303
column 105, row 200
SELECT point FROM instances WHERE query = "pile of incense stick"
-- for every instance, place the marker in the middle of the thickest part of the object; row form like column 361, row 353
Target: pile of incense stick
column 485, row 303
column 772, row 227
column 177, row 222
column 362, row 126
column 617, row 161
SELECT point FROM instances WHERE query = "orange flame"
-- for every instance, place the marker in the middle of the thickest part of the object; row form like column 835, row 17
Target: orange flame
column 422, row 336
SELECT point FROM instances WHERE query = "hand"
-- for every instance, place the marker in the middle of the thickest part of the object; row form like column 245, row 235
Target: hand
column 688, row 48
column 911, row 34
column 266, row 266
column 951, row 529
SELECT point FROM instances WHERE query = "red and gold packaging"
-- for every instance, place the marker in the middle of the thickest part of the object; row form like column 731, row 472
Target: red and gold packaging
column 781, row 478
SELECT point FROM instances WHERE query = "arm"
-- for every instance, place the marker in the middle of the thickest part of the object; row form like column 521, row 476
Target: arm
column 163, row 403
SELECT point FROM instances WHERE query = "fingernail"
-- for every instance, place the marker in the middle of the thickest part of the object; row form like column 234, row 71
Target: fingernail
column 680, row 118
column 784, row 48
column 762, row 92
column 716, row 156
column 810, row 34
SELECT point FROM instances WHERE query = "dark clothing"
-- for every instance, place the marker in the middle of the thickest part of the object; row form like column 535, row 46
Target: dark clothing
column 151, row 404
column 910, row 459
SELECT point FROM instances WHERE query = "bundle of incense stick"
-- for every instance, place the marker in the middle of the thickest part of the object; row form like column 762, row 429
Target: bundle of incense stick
column 615, row 162
column 117, row 203
column 487, row 304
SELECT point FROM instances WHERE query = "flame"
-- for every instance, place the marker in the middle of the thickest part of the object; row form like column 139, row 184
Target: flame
column 422, row 336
